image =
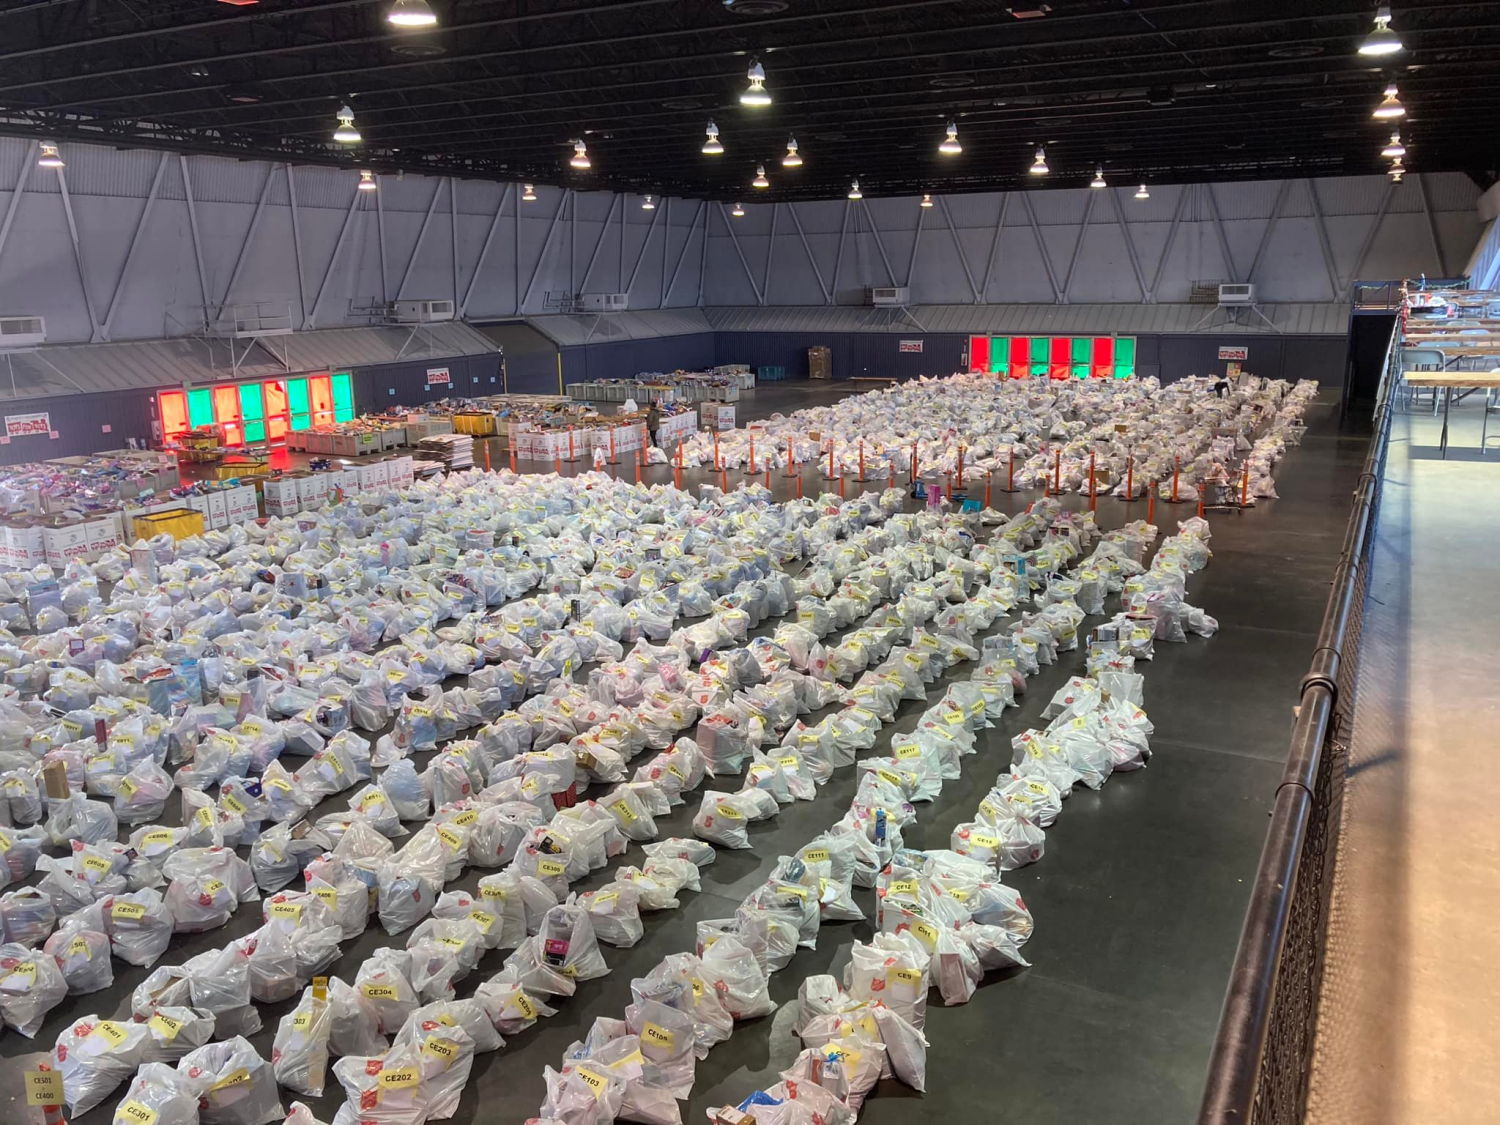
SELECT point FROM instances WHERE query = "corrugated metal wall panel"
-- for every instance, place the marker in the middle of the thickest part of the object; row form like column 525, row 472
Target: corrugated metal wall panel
column 1451, row 192
column 79, row 422
column 382, row 386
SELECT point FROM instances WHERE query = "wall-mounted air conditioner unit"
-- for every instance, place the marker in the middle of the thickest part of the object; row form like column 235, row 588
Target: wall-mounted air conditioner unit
column 22, row 331
column 605, row 302
column 1236, row 294
column 421, row 312
column 890, row 295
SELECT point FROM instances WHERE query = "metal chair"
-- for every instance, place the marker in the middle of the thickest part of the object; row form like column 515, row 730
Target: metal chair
column 1420, row 359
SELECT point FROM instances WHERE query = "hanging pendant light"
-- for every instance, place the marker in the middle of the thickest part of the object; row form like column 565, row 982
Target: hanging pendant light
column 1142, row 193
column 1390, row 107
column 950, row 145
column 760, row 180
column 1395, row 149
column 1381, row 41
column 793, row 158
column 926, row 200
column 411, row 13
column 738, row 212
column 367, row 181
column 1397, row 170
column 647, row 205
column 1098, row 178
column 580, row 158
column 1039, row 165
column 756, row 95
column 346, row 133
column 529, row 195
column 854, row 192
column 711, row 146
column 49, row 157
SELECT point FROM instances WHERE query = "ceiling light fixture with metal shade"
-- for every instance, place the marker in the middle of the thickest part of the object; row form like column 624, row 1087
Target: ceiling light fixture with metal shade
column 580, row 158
column 1381, row 41
column 1142, row 193
column 760, row 180
column 367, row 181
column 411, row 13
column 756, row 95
column 1395, row 149
column 793, row 158
column 711, row 145
column 529, row 195
column 854, row 192
column 950, row 145
column 49, row 157
column 647, row 204
column 738, row 212
column 1390, row 106
column 926, row 201
column 346, row 133
column 1098, row 178
column 1039, row 165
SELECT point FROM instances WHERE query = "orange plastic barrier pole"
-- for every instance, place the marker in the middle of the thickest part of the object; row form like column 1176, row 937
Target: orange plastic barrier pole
column 1130, row 477
column 986, row 490
column 861, row 460
column 1200, row 503
column 486, row 456
column 830, row 457
column 1057, row 471
column 723, row 480
column 1046, row 480
column 637, row 470
column 768, row 472
column 1245, row 487
column 799, row 486
column 613, row 460
column 557, row 464
column 913, row 461
column 571, row 456
column 716, row 449
column 960, row 467
column 1010, row 472
column 1092, row 493
column 841, row 486
column 1176, row 470
column 512, row 458
column 1151, row 503
column 752, row 454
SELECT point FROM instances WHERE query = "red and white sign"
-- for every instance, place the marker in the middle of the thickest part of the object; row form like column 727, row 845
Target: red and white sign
column 27, row 425
column 1233, row 353
column 438, row 375
column 912, row 346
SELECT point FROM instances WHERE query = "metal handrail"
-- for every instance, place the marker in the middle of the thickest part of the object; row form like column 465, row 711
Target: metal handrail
column 1235, row 1065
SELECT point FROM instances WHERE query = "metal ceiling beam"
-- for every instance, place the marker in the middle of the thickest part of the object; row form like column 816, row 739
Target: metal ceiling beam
column 1166, row 250
column 24, row 174
column 380, row 237
column 1375, row 225
column 879, row 243
column 916, row 241
column 239, row 260
column 463, row 308
column 599, row 243
column 807, row 249
column 1213, row 210
column 541, row 260
column 1265, row 234
column 765, row 286
column 1135, row 261
column 83, row 277
column 411, row 262
column 641, row 257
column 734, row 240
column 959, row 246
column 1323, row 243
column 1083, row 229
column 333, row 259
column 291, row 193
column 838, row 262
column 692, row 226
column 989, row 268
column 135, row 243
column 192, row 210
column 1432, row 229
column 666, row 242
column 1041, row 247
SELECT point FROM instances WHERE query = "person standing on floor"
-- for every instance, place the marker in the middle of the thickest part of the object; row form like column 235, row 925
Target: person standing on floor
column 653, row 421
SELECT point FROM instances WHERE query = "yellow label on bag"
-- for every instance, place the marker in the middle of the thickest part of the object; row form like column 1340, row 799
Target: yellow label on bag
column 493, row 892
column 301, row 1021
column 467, row 817
column 550, row 867
column 238, row 1078
column 658, row 1036
column 445, row 1049
column 927, row 932
column 126, row 788
column 447, row 1021
column 789, row 760
column 911, row 751
column 912, row 977
column 292, row 910
column 252, row 727
column 792, row 889
column 136, row 1113
column 524, row 1005
column 5, row 843
column 130, row 911
column 452, row 942
column 814, row 855
column 697, row 990
column 404, row 1078
column 79, row 946
column 675, row 772
column 483, row 919
column 97, row 863
column 729, row 812
column 380, row 991
column 959, row 894
column 593, row 1080
column 603, row 899
column 166, row 1025
column 112, row 1033
column 278, row 783
column 453, row 839
column 835, row 1053
column 1037, row 787
column 232, row 803
column 621, row 808
column 903, row 887
column 214, row 886
column 204, row 817
column 330, row 895
column 887, row 776
column 72, row 728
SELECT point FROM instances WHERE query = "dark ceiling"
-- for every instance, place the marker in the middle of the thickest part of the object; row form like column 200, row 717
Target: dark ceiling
column 1154, row 90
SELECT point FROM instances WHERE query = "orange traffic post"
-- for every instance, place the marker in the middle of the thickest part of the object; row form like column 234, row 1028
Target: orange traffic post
column 1010, row 471
column 677, row 477
column 1046, row 477
column 571, row 455
column 613, row 460
column 1176, row 472
column 914, row 461
column 841, row 486
column 768, row 472
column 716, row 450
column 1151, row 503
column 486, row 456
column 830, row 458
column 752, row 454
column 960, row 467
column 799, row 486
column 1245, row 487
column 861, row 477
column 556, row 462
column 1057, row 471
column 1130, row 477
column 948, row 490
column 1200, row 503
column 638, row 470
column 723, row 480
column 1093, row 494
column 513, row 457
column 987, row 489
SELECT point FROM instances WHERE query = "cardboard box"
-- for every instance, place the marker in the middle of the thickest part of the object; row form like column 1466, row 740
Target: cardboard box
column 281, row 497
column 55, row 778
column 218, row 511
column 104, row 532
column 819, row 363
column 64, row 542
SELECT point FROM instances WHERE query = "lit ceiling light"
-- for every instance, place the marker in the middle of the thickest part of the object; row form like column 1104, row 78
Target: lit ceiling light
column 1397, row 170
column 346, row 133
column 529, row 195
column 367, row 181
column 756, row 95
column 1142, row 193
column 738, row 212
column 1099, row 178
column 49, row 157
column 712, row 147
column 1395, row 149
column 411, row 13
column 1391, row 106
column 854, row 192
column 760, row 177
column 1039, row 165
column 1381, row 41
column 647, row 204
column 950, row 145
column 580, row 157
column 793, row 158
column 926, row 201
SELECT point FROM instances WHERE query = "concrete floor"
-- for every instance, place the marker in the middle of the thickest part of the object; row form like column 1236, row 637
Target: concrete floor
column 1138, row 902
column 1409, row 1025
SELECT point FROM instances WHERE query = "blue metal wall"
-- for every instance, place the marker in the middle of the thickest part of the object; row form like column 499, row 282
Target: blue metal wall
column 79, row 421
column 621, row 359
column 385, row 385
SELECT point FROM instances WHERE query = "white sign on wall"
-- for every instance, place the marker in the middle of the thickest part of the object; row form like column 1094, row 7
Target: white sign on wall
column 27, row 425
column 438, row 375
column 1233, row 353
column 913, row 346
